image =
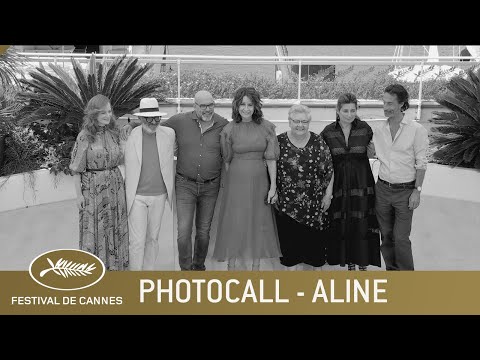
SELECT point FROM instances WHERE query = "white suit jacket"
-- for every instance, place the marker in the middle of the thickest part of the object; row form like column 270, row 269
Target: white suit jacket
column 133, row 161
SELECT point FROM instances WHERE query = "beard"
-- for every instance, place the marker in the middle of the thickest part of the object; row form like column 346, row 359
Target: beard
column 149, row 128
column 207, row 117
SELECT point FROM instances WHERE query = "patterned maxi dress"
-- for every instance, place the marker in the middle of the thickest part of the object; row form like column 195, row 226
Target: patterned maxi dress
column 103, row 221
column 353, row 203
column 303, row 175
column 246, row 225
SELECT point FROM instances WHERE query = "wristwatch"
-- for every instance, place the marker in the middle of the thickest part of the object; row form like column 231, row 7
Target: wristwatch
column 419, row 188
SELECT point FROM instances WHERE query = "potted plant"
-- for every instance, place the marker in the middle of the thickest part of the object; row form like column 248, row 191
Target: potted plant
column 457, row 136
column 54, row 101
column 10, row 70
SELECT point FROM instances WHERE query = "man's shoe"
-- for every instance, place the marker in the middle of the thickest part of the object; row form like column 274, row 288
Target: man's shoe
column 198, row 268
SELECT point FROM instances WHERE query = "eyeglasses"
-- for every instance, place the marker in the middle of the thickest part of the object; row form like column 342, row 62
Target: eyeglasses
column 152, row 119
column 296, row 122
column 204, row 107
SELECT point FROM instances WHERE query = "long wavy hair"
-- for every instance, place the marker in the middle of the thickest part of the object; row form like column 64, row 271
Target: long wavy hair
column 254, row 96
column 90, row 123
column 347, row 98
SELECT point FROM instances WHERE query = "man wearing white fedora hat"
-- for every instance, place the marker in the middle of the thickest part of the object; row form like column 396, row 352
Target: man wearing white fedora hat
column 197, row 180
column 149, row 183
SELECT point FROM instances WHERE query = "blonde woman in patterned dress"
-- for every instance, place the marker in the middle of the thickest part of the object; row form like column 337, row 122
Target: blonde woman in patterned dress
column 100, row 187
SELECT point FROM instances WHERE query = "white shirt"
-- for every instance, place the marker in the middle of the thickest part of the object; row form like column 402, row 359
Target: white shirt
column 400, row 158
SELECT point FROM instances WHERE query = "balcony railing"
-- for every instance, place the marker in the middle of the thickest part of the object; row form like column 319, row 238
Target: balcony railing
column 399, row 61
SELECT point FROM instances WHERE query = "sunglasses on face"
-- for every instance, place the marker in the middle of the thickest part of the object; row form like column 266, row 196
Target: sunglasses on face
column 152, row 119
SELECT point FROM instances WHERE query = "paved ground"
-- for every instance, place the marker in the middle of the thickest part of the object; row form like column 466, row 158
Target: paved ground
column 444, row 236
column 28, row 232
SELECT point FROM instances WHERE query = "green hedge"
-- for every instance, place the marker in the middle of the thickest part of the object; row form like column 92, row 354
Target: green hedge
column 26, row 153
column 364, row 83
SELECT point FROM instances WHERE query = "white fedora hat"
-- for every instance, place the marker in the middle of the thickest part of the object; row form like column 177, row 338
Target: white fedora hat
column 149, row 107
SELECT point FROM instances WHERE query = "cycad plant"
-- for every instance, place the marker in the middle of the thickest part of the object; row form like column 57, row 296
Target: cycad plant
column 11, row 64
column 10, row 67
column 10, row 70
column 54, row 101
column 458, row 135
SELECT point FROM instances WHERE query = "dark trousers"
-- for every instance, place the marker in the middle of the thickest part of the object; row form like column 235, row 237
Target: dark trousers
column 199, row 200
column 395, row 222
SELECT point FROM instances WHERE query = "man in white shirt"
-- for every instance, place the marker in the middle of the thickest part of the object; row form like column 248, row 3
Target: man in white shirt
column 400, row 145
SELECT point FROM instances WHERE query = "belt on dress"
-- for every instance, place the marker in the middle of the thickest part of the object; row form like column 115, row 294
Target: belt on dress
column 407, row 185
column 198, row 182
column 100, row 169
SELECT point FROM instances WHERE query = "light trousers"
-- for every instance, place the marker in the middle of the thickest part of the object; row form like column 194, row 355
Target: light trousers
column 144, row 221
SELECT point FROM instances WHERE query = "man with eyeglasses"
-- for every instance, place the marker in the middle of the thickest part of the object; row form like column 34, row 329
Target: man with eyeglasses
column 149, row 183
column 197, row 180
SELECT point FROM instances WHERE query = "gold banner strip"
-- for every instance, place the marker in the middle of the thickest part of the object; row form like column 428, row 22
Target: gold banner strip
column 244, row 292
column 3, row 48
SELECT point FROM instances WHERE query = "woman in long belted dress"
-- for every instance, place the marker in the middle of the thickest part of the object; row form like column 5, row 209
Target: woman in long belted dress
column 99, row 186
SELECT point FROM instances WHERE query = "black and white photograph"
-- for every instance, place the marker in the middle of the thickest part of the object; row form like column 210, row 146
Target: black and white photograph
column 242, row 157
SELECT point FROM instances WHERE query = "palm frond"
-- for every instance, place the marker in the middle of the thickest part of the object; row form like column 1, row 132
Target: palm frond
column 92, row 76
column 11, row 64
column 440, row 139
column 81, row 81
column 60, row 98
column 100, row 78
column 476, row 164
column 92, row 64
column 459, row 85
column 442, row 115
column 125, row 72
column 92, row 84
column 135, row 76
column 66, row 78
column 464, row 120
column 453, row 129
column 473, row 77
column 110, row 74
column 471, row 153
column 459, row 105
column 46, row 83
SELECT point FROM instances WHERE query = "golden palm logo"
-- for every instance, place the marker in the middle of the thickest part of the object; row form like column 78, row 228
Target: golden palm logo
column 67, row 269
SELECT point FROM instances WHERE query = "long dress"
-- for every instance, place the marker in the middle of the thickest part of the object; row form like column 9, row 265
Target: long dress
column 103, row 221
column 246, row 225
column 303, row 175
column 353, row 204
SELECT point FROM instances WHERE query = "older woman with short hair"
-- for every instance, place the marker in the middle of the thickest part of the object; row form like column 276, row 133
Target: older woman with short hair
column 304, row 191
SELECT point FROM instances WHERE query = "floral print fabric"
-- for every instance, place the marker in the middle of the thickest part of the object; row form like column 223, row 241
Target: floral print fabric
column 303, row 175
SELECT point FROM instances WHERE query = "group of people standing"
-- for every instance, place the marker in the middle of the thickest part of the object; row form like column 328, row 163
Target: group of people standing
column 305, row 198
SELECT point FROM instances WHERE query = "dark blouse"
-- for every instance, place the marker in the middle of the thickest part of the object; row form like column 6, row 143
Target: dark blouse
column 303, row 175
column 353, row 188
